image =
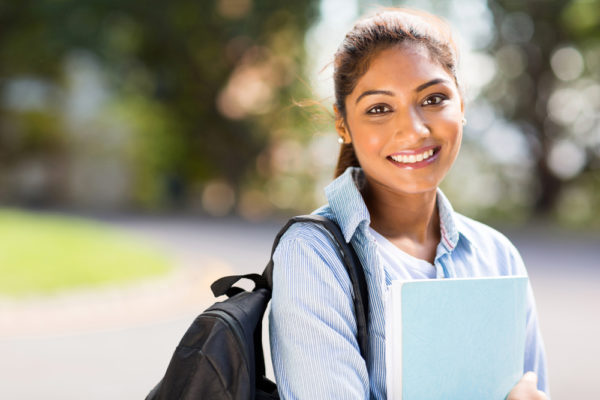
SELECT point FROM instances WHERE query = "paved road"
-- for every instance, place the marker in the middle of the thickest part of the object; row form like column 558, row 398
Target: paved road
column 127, row 353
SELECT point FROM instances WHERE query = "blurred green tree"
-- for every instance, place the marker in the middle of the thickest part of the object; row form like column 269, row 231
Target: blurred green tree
column 548, row 54
column 156, row 98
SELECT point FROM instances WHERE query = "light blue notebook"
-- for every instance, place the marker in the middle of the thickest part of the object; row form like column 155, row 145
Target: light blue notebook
column 455, row 338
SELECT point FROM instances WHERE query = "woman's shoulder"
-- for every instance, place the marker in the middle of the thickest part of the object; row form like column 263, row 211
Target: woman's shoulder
column 491, row 246
column 484, row 236
column 311, row 233
column 310, row 246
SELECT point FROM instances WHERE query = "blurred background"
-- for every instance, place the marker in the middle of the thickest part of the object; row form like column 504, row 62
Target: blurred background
column 147, row 148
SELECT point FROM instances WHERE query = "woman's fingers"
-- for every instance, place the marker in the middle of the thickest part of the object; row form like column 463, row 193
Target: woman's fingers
column 526, row 389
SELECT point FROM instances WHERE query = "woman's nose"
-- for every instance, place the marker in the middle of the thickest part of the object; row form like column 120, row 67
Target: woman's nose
column 410, row 122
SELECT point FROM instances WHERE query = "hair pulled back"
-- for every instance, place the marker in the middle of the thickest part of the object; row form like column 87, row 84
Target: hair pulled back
column 371, row 35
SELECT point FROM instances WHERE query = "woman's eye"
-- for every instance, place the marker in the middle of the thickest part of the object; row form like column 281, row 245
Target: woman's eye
column 434, row 99
column 379, row 109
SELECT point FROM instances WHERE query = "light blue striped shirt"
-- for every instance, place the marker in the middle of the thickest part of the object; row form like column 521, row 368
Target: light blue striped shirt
column 312, row 325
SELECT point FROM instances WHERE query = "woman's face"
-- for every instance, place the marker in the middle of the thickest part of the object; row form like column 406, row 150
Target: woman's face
column 404, row 119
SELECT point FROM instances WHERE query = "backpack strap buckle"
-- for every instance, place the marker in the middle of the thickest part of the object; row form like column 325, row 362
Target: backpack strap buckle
column 224, row 285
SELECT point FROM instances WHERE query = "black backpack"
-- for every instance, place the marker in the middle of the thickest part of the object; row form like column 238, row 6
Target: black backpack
column 221, row 354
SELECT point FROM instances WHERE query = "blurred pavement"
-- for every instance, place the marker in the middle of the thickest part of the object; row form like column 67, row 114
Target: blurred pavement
column 116, row 342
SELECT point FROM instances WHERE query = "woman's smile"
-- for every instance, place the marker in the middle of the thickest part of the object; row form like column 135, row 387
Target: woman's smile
column 413, row 159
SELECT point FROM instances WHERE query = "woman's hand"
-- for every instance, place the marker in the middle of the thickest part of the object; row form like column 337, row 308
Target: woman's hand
column 526, row 389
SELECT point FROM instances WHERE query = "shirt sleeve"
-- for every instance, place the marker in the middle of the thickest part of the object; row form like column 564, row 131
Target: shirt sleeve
column 535, row 355
column 312, row 323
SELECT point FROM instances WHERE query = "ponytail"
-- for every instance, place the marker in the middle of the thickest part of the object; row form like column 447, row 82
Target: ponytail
column 347, row 158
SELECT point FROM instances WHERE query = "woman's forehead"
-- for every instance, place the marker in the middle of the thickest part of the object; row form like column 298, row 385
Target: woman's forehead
column 402, row 65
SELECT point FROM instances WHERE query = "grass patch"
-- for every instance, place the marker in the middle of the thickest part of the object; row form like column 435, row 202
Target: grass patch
column 42, row 254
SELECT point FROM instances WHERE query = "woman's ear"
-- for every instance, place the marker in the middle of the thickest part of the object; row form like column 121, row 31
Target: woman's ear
column 340, row 126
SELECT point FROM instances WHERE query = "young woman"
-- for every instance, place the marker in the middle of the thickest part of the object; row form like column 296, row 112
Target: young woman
column 399, row 114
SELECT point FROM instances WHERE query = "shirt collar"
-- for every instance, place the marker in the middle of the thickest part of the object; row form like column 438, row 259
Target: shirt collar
column 450, row 223
column 350, row 210
column 346, row 202
column 448, row 227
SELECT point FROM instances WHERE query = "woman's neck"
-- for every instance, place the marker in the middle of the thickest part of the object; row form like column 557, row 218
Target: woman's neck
column 410, row 221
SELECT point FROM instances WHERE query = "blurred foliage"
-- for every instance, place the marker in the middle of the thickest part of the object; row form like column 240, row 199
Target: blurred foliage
column 190, row 105
column 141, row 103
column 69, row 253
column 548, row 85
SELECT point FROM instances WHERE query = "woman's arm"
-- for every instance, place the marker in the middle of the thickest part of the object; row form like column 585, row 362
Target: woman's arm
column 312, row 323
column 534, row 365
column 535, row 354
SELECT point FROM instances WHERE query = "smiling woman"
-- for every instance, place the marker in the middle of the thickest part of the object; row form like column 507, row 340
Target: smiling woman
column 417, row 112
column 399, row 113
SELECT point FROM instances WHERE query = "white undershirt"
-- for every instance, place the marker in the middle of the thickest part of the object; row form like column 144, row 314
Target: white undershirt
column 401, row 264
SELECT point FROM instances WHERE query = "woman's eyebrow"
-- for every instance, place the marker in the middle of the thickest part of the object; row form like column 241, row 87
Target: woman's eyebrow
column 370, row 92
column 390, row 93
column 431, row 83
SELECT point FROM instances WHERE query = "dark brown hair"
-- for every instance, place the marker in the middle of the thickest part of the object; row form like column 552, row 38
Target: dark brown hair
column 389, row 27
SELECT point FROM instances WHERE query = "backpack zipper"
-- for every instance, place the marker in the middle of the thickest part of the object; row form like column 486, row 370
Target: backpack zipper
column 235, row 326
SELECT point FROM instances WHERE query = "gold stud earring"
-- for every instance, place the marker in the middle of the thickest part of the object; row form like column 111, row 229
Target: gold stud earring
column 464, row 121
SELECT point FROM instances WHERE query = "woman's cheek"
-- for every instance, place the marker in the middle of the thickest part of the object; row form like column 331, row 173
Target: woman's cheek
column 456, row 142
column 373, row 137
column 374, row 141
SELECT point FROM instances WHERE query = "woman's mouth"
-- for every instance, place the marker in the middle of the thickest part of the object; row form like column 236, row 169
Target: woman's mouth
column 413, row 159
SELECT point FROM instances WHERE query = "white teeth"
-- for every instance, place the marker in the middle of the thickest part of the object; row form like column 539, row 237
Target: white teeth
column 412, row 158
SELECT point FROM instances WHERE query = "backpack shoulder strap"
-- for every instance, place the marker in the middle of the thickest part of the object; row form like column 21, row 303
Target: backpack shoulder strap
column 352, row 265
